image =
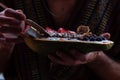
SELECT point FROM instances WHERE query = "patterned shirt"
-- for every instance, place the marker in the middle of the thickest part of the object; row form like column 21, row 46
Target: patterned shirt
column 100, row 15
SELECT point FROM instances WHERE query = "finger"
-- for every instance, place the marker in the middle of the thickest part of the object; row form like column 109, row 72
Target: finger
column 9, row 40
column 106, row 35
column 63, row 56
column 15, row 40
column 2, row 13
column 54, row 59
column 2, row 38
column 13, row 13
column 77, row 55
column 9, row 20
column 91, row 56
column 20, row 11
column 7, row 29
column 70, row 63
column 1, row 35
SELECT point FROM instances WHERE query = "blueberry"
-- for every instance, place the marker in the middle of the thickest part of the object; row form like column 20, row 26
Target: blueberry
column 99, row 39
column 86, row 38
column 92, row 38
column 79, row 38
column 102, row 37
column 94, row 35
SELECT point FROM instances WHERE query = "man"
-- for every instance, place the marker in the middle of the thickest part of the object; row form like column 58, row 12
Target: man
column 24, row 64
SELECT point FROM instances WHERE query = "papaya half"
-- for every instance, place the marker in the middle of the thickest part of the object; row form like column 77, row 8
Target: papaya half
column 50, row 45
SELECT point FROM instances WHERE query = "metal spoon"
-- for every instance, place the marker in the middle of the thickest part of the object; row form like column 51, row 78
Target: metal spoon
column 39, row 29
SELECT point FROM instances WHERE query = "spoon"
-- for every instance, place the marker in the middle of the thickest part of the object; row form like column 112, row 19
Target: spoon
column 39, row 29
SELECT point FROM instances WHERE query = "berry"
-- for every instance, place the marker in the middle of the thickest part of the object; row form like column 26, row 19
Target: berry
column 92, row 38
column 86, row 38
column 99, row 39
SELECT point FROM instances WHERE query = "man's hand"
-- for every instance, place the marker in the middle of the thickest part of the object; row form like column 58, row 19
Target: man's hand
column 73, row 58
column 12, row 22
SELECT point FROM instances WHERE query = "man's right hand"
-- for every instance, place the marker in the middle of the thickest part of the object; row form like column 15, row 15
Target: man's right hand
column 12, row 23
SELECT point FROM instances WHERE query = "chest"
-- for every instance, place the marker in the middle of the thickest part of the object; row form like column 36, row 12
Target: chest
column 61, row 9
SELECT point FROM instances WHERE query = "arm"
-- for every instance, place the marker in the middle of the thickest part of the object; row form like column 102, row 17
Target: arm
column 11, row 21
column 102, row 65
column 105, row 67
column 5, row 54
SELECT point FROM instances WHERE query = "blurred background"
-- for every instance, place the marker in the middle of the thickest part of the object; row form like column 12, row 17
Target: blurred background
column 1, row 76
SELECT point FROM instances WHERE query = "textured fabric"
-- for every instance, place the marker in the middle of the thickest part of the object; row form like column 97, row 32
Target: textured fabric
column 100, row 15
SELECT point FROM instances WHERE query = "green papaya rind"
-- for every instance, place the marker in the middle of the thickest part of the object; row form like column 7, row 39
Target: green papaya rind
column 45, row 46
